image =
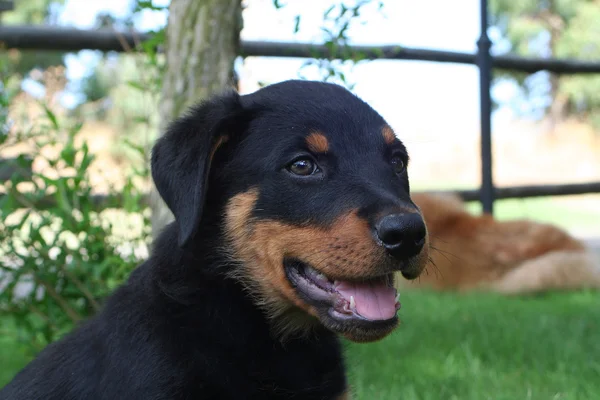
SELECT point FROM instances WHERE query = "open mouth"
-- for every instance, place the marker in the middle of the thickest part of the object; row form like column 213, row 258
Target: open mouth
column 366, row 302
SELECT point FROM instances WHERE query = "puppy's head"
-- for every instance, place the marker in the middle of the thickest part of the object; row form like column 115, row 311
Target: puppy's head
column 309, row 188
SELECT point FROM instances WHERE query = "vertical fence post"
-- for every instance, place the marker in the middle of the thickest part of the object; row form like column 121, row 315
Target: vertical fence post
column 484, row 62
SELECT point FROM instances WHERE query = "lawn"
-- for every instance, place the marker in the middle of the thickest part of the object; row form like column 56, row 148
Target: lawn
column 485, row 347
column 453, row 346
column 13, row 356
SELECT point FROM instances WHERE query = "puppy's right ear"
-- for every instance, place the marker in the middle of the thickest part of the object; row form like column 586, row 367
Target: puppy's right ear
column 181, row 158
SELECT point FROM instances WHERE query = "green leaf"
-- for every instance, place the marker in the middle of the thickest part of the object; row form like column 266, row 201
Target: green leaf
column 328, row 11
column 136, row 85
column 51, row 116
column 278, row 4
column 297, row 24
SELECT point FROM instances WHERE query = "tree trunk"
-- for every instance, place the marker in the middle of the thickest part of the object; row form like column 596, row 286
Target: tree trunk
column 202, row 42
column 556, row 26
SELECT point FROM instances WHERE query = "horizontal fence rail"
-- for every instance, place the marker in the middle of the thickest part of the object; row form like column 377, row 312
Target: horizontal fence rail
column 70, row 39
column 514, row 63
column 100, row 201
column 514, row 192
column 50, row 38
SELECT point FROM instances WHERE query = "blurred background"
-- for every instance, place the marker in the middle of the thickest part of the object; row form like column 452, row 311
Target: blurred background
column 77, row 125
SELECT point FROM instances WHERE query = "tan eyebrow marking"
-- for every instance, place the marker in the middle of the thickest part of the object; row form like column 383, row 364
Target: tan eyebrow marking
column 388, row 134
column 317, row 142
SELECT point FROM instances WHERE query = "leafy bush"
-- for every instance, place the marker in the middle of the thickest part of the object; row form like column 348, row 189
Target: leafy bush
column 63, row 248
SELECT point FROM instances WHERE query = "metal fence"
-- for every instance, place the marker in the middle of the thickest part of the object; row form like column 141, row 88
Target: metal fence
column 63, row 39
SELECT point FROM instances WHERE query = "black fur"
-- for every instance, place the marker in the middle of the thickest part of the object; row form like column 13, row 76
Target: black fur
column 178, row 329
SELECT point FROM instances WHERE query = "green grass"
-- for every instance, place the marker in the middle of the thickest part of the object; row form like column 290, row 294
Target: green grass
column 13, row 355
column 485, row 347
column 476, row 346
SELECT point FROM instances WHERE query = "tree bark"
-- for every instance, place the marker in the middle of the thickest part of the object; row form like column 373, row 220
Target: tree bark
column 202, row 42
column 556, row 26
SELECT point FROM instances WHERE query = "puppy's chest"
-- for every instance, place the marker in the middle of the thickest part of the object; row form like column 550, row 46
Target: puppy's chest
column 307, row 374
column 264, row 369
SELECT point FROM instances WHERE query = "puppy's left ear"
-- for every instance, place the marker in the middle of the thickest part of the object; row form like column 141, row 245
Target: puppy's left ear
column 181, row 158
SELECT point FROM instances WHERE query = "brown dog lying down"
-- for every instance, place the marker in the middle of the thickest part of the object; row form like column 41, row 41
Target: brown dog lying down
column 478, row 252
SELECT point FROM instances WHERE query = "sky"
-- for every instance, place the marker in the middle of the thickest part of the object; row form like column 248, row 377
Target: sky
column 417, row 98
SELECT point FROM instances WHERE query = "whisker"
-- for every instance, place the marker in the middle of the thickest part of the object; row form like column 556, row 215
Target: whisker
column 437, row 270
column 446, row 254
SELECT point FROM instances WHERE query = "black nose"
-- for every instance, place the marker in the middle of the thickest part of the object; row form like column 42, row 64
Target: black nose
column 403, row 235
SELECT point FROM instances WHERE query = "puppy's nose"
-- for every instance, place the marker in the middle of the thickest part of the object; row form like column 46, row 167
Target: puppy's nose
column 403, row 235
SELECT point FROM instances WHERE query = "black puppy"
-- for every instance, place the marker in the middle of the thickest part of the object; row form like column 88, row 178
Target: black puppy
column 292, row 213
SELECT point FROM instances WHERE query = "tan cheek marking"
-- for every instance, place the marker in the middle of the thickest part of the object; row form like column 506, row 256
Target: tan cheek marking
column 258, row 246
column 317, row 142
column 268, row 241
column 388, row 135
column 344, row 250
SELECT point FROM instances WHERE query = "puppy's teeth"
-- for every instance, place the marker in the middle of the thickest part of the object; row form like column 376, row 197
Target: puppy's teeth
column 397, row 297
column 352, row 303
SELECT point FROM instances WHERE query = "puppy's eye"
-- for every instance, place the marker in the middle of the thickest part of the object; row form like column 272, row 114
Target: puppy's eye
column 302, row 167
column 398, row 165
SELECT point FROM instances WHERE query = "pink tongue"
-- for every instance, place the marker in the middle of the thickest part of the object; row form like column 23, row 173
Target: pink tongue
column 374, row 300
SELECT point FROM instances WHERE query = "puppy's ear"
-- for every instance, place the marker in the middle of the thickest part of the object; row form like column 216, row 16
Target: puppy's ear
column 181, row 158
